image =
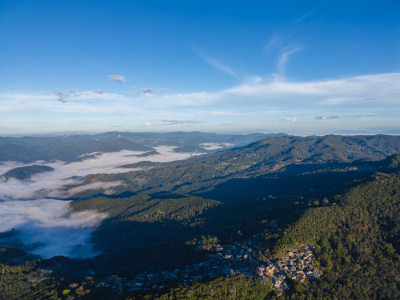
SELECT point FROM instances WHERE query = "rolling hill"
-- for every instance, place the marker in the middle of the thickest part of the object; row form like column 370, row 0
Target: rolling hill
column 261, row 161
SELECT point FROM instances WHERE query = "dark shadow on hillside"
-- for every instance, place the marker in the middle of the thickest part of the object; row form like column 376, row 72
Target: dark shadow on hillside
column 293, row 181
column 131, row 247
column 166, row 195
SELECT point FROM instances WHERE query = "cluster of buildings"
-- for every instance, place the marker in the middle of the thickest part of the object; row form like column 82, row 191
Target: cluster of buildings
column 238, row 258
column 298, row 264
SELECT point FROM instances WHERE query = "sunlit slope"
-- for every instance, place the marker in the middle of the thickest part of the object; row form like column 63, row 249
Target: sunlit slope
column 283, row 155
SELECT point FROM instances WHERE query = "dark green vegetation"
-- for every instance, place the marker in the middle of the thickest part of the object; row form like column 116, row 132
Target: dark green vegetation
column 34, row 280
column 341, row 194
column 24, row 173
column 143, row 231
column 154, row 233
column 357, row 234
column 230, row 287
column 143, row 164
column 359, row 239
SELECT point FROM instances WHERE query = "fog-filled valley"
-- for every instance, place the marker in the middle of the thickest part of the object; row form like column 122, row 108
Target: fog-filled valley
column 40, row 224
column 53, row 183
column 48, row 227
column 135, row 223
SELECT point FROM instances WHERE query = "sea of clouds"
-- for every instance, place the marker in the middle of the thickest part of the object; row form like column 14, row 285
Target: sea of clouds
column 215, row 146
column 51, row 184
column 49, row 227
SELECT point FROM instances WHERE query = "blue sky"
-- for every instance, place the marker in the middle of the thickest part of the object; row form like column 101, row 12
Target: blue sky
column 301, row 67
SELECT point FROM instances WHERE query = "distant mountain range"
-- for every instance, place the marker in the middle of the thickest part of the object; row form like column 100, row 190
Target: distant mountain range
column 272, row 156
column 70, row 147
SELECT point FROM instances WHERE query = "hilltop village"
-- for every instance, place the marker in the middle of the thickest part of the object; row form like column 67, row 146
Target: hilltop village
column 239, row 258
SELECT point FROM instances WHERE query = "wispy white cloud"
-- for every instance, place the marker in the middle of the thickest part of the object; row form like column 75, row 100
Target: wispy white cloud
column 284, row 58
column 117, row 78
column 290, row 119
column 61, row 96
column 150, row 91
column 328, row 117
column 307, row 14
column 215, row 63
column 80, row 95
column 147, row 90
column 178, row 122
column 379, row 89
column 357, row 90
column 324, row 117
column 280, row 42
column 274, row 41
column 284, row 42
column 275, row 96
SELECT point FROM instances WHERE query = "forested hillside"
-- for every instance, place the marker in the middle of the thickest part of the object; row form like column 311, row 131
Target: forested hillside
column 260, row 163
column 358, row 239
column 344, row 203
column 24, row 173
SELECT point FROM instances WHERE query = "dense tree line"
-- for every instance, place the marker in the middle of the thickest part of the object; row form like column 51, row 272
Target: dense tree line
column 358, row 241
column 229, row 287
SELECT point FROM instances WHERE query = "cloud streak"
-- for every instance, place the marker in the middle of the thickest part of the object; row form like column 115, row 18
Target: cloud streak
column 263, row 98
column 215, row 63
column 179, row 122
column 306, row 15
column 284, row 58
column 61, row 96
column 378, row 89
column 117, row 78
column 345, row 116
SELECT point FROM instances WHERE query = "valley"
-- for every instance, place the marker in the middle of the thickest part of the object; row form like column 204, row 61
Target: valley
column 213, row 150
column 276, row 217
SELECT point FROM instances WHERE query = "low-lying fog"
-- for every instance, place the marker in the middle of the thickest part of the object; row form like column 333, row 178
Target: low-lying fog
column 215, row 146
column 49, row 227
column 50, row 184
